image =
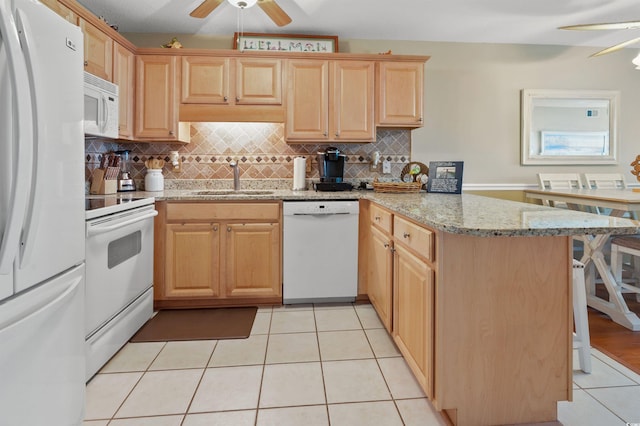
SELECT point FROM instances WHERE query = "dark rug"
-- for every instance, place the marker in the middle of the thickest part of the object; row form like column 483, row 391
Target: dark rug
column 197, row 324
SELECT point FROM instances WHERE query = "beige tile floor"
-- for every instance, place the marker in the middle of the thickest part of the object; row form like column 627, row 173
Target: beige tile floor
column 306, row 365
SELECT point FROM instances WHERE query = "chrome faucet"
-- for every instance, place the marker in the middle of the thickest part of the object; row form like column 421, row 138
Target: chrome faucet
column 236, row 175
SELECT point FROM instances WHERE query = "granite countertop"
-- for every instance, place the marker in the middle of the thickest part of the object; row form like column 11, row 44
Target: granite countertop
column 460, row 214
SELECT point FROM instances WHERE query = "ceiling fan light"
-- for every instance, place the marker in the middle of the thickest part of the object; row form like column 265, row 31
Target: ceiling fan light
column 242, row 4
column 636, row 61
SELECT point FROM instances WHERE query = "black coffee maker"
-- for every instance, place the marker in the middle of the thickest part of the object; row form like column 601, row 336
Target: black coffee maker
column 331, row 170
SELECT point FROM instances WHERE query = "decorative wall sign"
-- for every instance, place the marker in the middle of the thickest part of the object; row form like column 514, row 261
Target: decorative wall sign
column 285, row 42
column 445, row 177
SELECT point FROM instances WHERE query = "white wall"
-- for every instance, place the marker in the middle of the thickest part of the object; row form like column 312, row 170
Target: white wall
column 472, row 99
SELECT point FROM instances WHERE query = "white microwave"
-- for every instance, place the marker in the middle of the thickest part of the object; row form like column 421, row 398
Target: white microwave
column 100, row 107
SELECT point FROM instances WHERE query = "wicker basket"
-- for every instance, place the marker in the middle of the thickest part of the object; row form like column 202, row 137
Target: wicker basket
column 396, row 187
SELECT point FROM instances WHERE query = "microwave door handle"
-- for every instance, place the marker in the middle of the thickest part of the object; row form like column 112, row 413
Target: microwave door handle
column 22, row 141
column 102, row 229
column 35, row 75
column 105, row 112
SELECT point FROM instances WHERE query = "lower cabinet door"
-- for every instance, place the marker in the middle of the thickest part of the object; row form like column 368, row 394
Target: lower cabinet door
column 379, row 278
column 413, row 314
column 192, row 260
column 252, row 264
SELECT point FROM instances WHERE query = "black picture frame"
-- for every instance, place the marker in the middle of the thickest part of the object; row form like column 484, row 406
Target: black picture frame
column 445, row 177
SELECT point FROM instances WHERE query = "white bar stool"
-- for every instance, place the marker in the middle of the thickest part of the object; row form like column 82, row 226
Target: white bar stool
column 627, row 244
column 581, row 340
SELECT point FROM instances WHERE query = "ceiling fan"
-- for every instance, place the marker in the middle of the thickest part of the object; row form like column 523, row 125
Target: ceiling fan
column 270, row 7
column 632, row 25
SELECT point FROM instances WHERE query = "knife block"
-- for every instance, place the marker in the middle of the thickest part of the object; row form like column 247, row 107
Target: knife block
column 100, row 185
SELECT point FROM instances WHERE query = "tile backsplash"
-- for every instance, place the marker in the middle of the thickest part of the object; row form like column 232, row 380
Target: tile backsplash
column 259, row 148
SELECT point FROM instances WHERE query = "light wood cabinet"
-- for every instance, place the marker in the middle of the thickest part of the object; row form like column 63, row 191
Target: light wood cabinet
column 413, row 310
column 227, row 81
column 61, row 10
column 205, row 80
column 192, row 260
column 156, row 100
column 98, row 51
column 400, row 92
column 124, row 77
column 380, row 275
column 400, row 283
column 253, row 260
column 330, row 101
column 258, row 81
column 217, row 254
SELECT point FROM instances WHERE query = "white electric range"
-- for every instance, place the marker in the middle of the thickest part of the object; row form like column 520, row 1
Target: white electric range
column 119, row 273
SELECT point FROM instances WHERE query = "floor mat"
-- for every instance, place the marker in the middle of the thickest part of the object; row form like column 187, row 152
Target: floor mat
column 197, row 324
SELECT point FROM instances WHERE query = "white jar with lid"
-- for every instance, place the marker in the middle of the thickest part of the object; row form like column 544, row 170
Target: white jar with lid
column 154, row 180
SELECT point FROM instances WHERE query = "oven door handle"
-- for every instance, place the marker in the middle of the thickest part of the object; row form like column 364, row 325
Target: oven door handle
column 97, row 230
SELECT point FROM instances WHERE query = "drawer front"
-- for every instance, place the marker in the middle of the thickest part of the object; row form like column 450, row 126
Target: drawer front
column 223, row 211
column 417, row 238
column 381, row 218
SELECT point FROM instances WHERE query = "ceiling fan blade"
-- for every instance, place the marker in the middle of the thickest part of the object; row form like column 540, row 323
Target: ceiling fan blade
column 616, row 47
column 205, row 8
column 274, row 12
column 631, row 25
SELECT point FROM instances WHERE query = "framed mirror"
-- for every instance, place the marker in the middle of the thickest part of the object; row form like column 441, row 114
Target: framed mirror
column 568, row 127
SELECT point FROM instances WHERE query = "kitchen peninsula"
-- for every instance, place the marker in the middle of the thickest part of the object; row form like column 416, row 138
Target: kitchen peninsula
column 481, row 293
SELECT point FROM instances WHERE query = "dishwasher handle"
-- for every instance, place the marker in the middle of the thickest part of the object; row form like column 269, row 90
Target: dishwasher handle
column 97, row 230
column 321, row 214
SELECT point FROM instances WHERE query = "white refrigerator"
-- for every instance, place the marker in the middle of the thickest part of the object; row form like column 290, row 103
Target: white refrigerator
column 42, row 379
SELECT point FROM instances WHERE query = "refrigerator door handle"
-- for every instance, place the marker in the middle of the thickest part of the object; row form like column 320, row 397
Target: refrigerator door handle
column 34, row 75
column 22, row 140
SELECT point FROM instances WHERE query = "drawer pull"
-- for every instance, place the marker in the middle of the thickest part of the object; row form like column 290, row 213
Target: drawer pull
column 377, row 218
column 386, row 245
column 215, row 228
column 406, row 235
column 228, row 229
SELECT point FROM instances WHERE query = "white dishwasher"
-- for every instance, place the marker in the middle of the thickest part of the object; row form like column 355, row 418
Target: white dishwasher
column 320, row 251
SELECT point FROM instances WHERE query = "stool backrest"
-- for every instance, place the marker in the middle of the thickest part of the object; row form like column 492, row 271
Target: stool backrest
column 558, row 181
column 604, row 180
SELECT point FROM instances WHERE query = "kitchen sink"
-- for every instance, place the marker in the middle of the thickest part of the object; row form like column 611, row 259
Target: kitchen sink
column 232, row 192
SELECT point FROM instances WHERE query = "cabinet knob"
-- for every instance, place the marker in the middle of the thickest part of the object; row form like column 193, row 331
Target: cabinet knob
column 228, row 229
column 377, row 218
column 337, row 134
column 420, row 119
column 386, row 245
column 171, row 132
column 237, row 99
column 393, row 250
column 406, row 235
column 326, row 134
column 215, row 228
column 225, row 99
column 86, row 63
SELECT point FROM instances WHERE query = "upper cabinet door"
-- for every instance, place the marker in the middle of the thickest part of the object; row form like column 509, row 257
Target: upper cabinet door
column 352, row 103
column 258, row 81
column 400, row 94
column 124, row 77
column 205, row 80
column 98, row 51
column 156, row 106
column 307, row 100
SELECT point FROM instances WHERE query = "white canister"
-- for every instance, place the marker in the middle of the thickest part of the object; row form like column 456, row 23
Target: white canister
column 153, row 180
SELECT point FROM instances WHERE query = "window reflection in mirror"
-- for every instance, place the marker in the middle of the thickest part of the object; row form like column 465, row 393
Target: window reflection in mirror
column 568, row 126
